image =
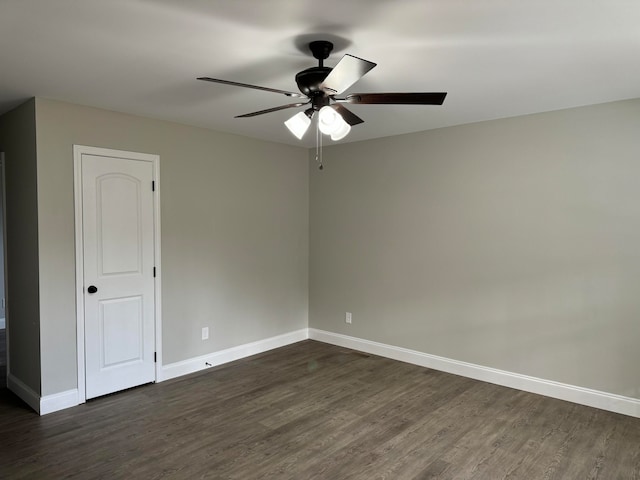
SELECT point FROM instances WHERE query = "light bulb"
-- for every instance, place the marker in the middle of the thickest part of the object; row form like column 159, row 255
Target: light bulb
column 329, row 121
column 298, row 124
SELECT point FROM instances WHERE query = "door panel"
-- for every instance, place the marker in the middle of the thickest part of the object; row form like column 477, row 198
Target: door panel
column 118, row 236
column 121, row 329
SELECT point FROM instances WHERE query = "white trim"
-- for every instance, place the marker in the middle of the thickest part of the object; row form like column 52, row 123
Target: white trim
column 157, row 261
column 78, row 151
column 46, row 404
column 59, row 401
column 3, row 323
column 77, row 197
column 584, row 396
column 196, row 364
column 6, row 262
column 71, row 398
column 580, row 395
column 25, row 392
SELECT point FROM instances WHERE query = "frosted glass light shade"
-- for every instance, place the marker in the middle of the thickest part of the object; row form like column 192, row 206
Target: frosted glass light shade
column 298, row 124
column 341, row 132
column 329, row 121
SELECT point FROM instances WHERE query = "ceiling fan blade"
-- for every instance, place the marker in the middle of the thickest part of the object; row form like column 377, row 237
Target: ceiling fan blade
column 256, row 87
column 347, row 72
column 269, row 110
column 347, row 115
column 423, row 98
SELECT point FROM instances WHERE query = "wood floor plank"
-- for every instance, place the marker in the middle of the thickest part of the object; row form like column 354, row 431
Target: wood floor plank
column 316, row 411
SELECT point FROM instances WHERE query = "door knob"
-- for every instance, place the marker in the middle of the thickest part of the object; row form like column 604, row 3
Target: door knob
column 92, row 289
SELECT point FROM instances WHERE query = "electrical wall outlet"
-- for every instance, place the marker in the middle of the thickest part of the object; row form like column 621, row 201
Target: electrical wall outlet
column 205, row 333
column 347, row 317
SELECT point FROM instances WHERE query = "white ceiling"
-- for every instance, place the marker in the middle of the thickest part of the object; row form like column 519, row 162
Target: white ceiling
column 495, row 58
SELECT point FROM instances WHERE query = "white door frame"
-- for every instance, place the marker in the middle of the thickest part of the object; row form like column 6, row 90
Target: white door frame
column 78, row 151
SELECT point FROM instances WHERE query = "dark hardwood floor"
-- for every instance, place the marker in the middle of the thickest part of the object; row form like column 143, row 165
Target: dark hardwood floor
column 315, row 411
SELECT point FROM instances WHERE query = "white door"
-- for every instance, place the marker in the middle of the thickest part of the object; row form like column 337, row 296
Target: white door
column 118, row 240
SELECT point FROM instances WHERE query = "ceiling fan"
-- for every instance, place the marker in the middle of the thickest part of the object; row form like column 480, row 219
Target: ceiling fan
column 320, row 85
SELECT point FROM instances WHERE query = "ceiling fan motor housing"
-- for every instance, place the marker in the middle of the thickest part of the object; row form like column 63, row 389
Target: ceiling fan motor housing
column 309, row 80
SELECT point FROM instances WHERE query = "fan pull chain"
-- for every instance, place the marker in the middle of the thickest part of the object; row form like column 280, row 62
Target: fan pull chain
column 319, row 147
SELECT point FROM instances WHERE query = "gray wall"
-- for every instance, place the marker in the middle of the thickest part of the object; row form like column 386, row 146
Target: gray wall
column 513, row 244
column 510, row 244
column 18, row 141
column 234, row 233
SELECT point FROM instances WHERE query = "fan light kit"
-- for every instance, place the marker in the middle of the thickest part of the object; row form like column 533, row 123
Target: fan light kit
column 319, row 87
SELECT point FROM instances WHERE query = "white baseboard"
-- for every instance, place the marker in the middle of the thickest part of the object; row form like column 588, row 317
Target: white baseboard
column 59, row 401
column 3, row 323
column 584, row 396
column 46, row 404
column 70, row 398
column 196, row 364
column 25, row 392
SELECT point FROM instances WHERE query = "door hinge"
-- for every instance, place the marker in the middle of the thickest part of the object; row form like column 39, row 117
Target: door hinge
column 155, row 357
column 154, row 272
column 153, row 185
